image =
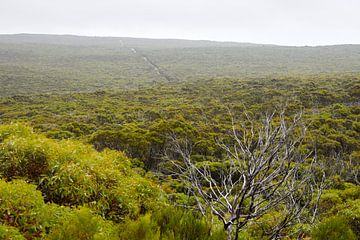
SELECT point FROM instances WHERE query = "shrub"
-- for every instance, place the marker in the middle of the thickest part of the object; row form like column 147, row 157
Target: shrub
column 73, row 174
column 171, row 223
column 14, row 130
column 351, row 212
column 181, row 224
column 351, row 191
column 335, row 228
column 59, row 134
column 23, row 157
column 261, row 228
column 329, row 199
column 10, row 233
column 143, row 228
column 22, row 207
column 81, row 224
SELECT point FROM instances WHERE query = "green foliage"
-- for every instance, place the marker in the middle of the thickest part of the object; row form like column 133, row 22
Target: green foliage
column 10, row 233
column 335, row 228
column 59, row 134
column 340, row 204
column 171, row 223
column 71, row 173
column 77, row 129
column 351, row 212
column 130, row 139
column 22, row 207
column 81, row 224
column 138, row 122
column 23, row 157
column 329, row 200
column 25, row 215
column 16, row 130
column 143, row 228
column 260, row 229
column 333, row 198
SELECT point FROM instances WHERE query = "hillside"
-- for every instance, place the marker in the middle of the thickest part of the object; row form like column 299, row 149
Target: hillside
column 64, row 63
column 129, row 139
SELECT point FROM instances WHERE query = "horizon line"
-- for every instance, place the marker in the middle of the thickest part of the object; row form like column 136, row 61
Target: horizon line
column 183, row 39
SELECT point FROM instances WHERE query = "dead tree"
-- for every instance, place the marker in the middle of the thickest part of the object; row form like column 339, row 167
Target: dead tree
column 264, row 170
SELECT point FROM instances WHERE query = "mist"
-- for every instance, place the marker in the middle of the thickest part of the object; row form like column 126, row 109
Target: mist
column 281, row 22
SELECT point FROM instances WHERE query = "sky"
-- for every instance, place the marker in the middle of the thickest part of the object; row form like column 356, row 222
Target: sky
column 283, row 22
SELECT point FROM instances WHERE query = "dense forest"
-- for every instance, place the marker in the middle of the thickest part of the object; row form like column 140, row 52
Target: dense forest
column 122, row 138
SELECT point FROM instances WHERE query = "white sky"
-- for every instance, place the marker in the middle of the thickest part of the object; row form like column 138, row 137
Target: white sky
column 286, row 22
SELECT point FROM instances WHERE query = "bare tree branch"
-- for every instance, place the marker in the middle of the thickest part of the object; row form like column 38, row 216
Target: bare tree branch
column 265, row 171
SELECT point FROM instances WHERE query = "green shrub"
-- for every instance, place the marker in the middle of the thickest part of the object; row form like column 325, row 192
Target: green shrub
column 351, row 191
column 259, row 230
column 351, row 212
column 333, row 199
column 182, row 224
column 71, row 173
column 23, row 157
column 14, row 130
column 59, row 134
column 10, row 233
column 81, row 224
column 335, row 228
column 173, row 224
column 22, row 207
column 143, row 228
column 177, row 223
column 329, row 199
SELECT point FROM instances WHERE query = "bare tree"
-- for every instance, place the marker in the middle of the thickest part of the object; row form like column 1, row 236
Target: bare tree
column 264, row 170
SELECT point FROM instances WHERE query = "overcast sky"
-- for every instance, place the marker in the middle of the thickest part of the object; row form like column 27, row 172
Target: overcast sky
column 286, row 22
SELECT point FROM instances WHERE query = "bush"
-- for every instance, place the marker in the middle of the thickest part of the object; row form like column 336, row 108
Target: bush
column 23, row 211
column 23, row 157
column 261, row 228
column 171, row 223
column 181, row 224
column 71, row 173
column 351, row 191
column 335, row 228
column 351, row 212
column 329, row 199
column 81, row 224
column 14, row 130
column 143, row 228
column 10, row 233
column 22, row 207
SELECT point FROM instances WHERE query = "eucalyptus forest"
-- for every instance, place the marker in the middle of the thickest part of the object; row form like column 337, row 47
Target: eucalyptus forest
column 129, row 138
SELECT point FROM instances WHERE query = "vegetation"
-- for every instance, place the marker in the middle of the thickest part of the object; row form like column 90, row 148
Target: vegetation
column 263, row 170
column 48, row 64
column 86, row 163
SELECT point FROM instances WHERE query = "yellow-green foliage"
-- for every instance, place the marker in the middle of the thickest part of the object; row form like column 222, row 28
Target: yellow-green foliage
column 259, row 230
column 21, row 206
column 335, row 228
column 15, row 130
column 351, row 212
column 339, row 206
column 71, row 173
column 10, row 233
column 143, row 228
column 24, row 214
column 331, row 198
column 81, row 224
column 171, row 223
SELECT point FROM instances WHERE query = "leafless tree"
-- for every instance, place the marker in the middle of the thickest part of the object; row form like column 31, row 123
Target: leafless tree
column 264, row 169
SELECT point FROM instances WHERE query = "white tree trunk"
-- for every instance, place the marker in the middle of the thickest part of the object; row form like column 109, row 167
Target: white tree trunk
column 230, row 233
